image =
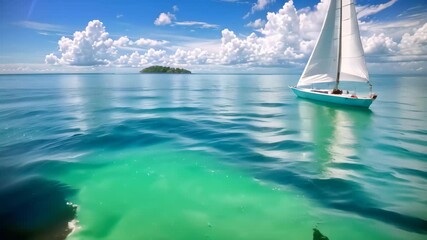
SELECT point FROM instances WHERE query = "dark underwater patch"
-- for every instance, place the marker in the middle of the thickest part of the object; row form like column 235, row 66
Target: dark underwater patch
column 317, row 235
column 34, row 208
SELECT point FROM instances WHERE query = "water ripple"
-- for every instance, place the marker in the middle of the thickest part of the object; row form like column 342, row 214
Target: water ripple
column 345, row 159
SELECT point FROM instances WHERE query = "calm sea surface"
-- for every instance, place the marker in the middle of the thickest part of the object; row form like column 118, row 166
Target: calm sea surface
column 104, row 156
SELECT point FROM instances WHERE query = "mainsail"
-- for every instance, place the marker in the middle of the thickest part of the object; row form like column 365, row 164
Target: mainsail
column 353, row 66
column 338, row 52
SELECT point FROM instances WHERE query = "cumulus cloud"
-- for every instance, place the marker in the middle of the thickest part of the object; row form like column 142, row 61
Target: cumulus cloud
column 89, row 47
column 183, row 57
column 122, row 42
column 379, row 44
column 412, row 47
column 195, row 56
column 235, row 50
column 126, row 42
column 415, row 43
column 283, row 39
column 311, row 20
column 282, row 27
column 280, row 42
column 258, row 6
column 93, row 46
column 150, row 42
column 290, row 34
column 136, row 59
column 164, row 19
column 52, row 59
column 259, row 23
column 409, row 55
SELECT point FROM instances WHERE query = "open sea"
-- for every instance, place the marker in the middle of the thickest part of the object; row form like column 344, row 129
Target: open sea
column 146, row 156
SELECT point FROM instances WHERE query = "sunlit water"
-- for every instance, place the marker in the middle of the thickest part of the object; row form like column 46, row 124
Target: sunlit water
column 208, row 157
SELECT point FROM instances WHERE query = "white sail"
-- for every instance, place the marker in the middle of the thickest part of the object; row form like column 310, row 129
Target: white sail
column 322, row 65
column 331, row 55
column 353, row 66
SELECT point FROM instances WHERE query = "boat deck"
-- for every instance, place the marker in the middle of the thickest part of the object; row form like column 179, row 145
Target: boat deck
column 325, row 95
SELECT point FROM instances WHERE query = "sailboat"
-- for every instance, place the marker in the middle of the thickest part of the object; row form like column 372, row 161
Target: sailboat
column 337, row 57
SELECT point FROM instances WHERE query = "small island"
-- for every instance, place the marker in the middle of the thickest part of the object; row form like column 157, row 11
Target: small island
column 162, row 69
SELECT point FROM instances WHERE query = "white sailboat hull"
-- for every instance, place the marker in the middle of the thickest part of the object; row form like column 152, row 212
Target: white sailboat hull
column 342, row 99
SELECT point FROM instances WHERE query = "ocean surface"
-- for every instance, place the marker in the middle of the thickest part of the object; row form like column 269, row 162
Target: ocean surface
column 146, row 156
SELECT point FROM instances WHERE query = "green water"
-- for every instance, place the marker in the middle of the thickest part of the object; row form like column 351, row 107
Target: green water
column 165, row 193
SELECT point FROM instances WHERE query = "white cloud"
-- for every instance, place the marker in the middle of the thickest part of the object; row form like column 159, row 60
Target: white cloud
column 259, row 23
column 258, row 6
column 406, row 22
column 197, row 24
column 261, row 4
column 40, row 26
column 415, row 43
column 181, row 57
column 122, row 42
column 409, row 55
column 175, row 8
column 196, row 56
column 125, row 42
column 52, row 59
column 235, row 50
column 412, row 46
column 150, row 42
column 93, row 46
column 164, row 19
column 168, row 19
column 379, row 44
column 89, row 47
column 283, row 27
column 368, row 10
column 283, row 39
column 152, row 56
column 311, row 20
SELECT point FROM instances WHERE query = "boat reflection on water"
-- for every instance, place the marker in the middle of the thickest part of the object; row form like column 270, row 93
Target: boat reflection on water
column 337, row 134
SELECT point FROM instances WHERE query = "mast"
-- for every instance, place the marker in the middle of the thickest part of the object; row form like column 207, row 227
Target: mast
column 339, row 48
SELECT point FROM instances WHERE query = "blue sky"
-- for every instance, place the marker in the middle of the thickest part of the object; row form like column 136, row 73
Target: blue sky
column 202, row 35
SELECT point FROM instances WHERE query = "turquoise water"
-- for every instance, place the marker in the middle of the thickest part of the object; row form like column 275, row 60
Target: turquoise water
column 130, row 156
